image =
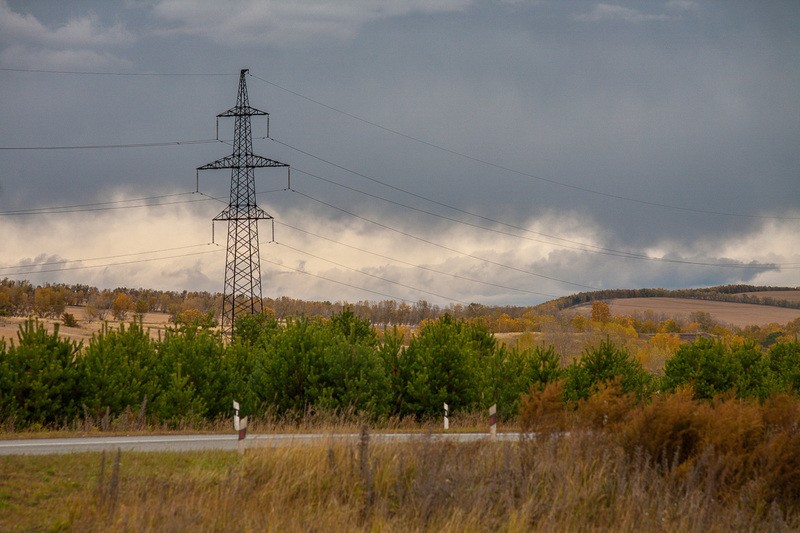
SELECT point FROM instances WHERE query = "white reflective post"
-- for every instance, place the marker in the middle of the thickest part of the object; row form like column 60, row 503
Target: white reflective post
column 239, row 424
column 493, row 421
column 446, row 419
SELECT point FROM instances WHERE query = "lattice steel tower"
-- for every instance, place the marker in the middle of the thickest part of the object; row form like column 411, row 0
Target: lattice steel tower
column 242, row 292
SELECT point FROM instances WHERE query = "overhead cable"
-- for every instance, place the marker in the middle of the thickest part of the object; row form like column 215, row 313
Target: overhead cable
column 521, row 172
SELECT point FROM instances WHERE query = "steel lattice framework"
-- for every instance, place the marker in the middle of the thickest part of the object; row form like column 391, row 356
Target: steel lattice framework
column 242, row 292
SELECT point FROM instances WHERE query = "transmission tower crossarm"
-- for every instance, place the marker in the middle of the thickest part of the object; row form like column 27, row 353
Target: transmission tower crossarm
column 247, row 212
column 242, row 111
column 236, row 161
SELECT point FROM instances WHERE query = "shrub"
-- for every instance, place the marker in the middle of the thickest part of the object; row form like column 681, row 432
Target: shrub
column 608, row 406
column 69, row 320
column 784, row 362
column 42, row 380
column 711, row 368
column 442, row 364
column 542, row 409
column 120, row 370
column 602, row 364
column 310, row 364
column 194, row 377
column 669, row 430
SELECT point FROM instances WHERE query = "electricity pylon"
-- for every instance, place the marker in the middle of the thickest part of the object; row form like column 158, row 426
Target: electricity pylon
column 242, row 292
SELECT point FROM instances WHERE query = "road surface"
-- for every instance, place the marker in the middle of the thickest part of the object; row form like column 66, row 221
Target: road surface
column 185, row 443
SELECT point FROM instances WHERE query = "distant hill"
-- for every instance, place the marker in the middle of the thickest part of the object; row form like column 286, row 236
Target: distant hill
column 786, row 297
column 734, row 305
column 727, row 313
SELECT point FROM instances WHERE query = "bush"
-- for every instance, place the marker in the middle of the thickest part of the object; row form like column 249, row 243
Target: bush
column 331, row 366
column 69, row 320
column 711, row 368
column 120, row 370
column 603, row 364
column 542, row 409
column 784, row 362
column 42, row 384
column 443, row 364
column 194, row 379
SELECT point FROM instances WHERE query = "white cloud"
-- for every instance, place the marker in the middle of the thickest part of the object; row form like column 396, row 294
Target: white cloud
column 86, row 31
column 78, row 42
column 612, row 12
column 107, row 249
column 285, row 21
column 317, row 260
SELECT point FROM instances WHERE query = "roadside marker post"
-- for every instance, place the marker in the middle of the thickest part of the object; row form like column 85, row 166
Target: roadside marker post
column 493, row 421
column 240, row 425
column 446, row 419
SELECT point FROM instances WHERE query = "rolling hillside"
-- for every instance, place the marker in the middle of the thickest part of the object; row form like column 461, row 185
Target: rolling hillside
column 730, row 313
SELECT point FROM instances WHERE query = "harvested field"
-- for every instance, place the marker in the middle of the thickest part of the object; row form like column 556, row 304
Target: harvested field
column 734, row 314
column 155, row 322
column 789, row 296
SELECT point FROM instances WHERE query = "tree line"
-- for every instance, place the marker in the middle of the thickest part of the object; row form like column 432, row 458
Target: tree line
column 343, row 364
column 20, row 298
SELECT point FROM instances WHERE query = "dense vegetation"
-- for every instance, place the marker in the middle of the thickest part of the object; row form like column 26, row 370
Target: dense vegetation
column 344, row 365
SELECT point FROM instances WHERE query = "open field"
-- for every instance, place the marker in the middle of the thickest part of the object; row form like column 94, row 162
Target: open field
column 790, row 296
column 728, row 313
column 735, row 314
column 155, row 322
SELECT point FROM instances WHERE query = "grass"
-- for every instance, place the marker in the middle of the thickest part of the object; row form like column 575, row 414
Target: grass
column 585, row 481
column 609, row 463
column 309, row 422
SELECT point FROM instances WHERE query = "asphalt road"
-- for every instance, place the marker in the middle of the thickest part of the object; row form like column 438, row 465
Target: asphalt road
column 185, row 443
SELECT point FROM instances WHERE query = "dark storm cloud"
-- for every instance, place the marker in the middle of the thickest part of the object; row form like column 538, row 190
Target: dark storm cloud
column 659, row 128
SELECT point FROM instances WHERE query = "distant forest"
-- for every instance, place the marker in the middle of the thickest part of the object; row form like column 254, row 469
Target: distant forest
column 20, row 298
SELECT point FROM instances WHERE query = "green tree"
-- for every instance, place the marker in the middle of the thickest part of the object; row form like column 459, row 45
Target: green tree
column 288, row 373
column 711, row 368
column 602, row 364
column 193, row 375
column 442, row 364
column 784, row 362
column 120, row 369
column 311, row 364
column 42, row 381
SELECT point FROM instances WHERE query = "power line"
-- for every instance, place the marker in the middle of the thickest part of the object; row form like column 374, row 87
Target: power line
column 103, row 146
column 373, row 275
column 100, row 73
column 580, row 246
column 102, row 206
column 119, row 263
column 108, row 206
column 426, row 241
column 521, row 172
column 336, row 281
column 413, row 265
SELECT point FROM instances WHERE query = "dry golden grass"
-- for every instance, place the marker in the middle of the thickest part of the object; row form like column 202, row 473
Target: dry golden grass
column 581, row 481
column 155, row 323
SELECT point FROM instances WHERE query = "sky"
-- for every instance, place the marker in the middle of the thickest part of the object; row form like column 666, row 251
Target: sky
column 502, row 152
